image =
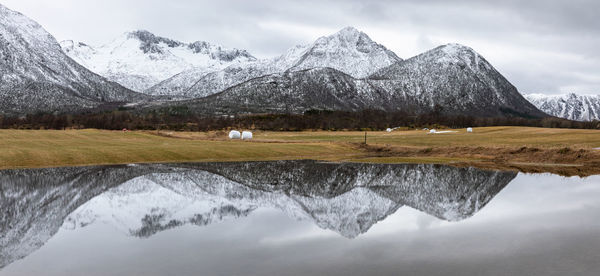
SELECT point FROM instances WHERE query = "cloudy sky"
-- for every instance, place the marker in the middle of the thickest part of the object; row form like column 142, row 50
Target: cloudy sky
column 541, row 46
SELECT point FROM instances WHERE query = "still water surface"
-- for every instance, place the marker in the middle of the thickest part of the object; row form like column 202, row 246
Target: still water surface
column 296, row 218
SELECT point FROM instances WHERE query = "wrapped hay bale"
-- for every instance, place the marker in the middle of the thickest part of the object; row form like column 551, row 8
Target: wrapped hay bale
column 234, row 134
column 246, row 135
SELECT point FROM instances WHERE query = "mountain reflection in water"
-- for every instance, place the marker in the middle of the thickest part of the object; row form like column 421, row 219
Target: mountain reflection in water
column 142, row 200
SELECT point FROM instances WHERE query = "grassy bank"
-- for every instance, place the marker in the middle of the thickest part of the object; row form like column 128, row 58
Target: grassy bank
column 563, row 151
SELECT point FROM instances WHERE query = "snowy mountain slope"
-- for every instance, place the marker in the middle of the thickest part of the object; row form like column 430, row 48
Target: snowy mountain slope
column 294, row 92
column 348, row 50
column 36, row 76
column 139, row 60
column 177, row 85
column 456, row 78
column 571, row 106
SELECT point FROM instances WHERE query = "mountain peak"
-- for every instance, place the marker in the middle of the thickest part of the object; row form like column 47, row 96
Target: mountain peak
column 457, row 50
column 349, row 31
column 150, row 42
column 454, row 53
column 350, row 51
column 347, row 34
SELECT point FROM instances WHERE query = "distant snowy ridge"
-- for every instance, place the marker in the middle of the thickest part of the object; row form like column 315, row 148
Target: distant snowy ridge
column 140, row 59
column 349, row 50
column 569, row 106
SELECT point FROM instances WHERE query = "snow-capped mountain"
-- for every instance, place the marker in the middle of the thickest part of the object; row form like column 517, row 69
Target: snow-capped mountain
column 36, row 76
column 349, row 50
column 139, row 60
column 570, row 106
column 456, row 78
column 142, row 200
column 453, row 77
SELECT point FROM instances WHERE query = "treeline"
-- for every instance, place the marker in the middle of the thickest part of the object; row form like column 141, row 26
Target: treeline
column 314, row 119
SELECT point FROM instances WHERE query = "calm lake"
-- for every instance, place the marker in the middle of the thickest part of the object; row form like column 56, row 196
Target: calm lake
column 296, row 218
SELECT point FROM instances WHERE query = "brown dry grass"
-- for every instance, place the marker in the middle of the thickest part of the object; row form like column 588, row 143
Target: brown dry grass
column 50, row 148
column 521, row 148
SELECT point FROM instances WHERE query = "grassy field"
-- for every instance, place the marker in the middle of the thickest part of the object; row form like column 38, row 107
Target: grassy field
column 502, row 147
column 482, row 137
column 49, row 148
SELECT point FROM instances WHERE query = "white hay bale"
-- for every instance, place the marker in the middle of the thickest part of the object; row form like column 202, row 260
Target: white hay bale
column 433, row 131
column 389, row 130
column 234, row 134
column 246, row 135
column 470, row 130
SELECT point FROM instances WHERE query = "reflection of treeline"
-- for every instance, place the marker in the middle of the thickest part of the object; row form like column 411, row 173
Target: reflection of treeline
column 325, row 120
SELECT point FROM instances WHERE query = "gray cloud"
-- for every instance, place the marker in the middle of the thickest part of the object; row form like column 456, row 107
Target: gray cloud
column 542, row 46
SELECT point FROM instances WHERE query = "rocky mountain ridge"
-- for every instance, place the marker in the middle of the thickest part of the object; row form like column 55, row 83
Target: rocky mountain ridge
column 139, row 59
column 570, row 106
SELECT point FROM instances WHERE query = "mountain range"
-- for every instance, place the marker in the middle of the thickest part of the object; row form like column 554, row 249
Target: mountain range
column 143, row 200
column 452, row 77
column 345, row 71
column 570, row 106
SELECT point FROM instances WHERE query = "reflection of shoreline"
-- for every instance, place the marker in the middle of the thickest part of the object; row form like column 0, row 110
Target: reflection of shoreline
column 345, row 198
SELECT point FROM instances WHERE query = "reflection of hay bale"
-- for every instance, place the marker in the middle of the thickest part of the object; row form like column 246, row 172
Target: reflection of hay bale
column 234, row 134
column 246, row 135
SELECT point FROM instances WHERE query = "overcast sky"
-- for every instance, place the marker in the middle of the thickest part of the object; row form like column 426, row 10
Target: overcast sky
column 541, row 46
